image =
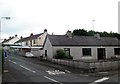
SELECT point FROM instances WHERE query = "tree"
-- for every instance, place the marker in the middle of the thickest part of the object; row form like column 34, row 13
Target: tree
column 82, row 32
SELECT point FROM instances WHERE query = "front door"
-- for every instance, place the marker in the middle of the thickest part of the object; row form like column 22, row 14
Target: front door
column 45, row 53
column 101, row 53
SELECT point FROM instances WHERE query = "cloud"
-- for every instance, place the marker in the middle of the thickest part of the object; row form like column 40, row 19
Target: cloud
column 57, row 16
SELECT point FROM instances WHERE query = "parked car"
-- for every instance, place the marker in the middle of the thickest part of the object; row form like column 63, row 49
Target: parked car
column 29, row 54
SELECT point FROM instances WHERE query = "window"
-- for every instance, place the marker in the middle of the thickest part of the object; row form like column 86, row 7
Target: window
column 26, row 42
column 30, row 42
column 86, row 51
column 117, row 51
column 67, row 51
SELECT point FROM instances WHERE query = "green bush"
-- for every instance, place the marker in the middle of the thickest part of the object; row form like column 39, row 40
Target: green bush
column 60, row 54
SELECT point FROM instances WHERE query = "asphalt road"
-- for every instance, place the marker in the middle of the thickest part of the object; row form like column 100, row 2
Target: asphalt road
column 21, row 69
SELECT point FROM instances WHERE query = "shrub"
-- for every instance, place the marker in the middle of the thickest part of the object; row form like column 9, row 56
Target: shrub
column 60, row 54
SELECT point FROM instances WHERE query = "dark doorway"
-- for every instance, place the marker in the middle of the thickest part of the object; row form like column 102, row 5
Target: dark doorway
column 45, row 53
column 101, row 53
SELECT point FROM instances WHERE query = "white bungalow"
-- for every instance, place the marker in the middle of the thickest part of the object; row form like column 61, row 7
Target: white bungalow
column 82, row 47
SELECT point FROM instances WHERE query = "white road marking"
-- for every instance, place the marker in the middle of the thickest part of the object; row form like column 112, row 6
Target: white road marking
column 103, row 72
column 67, row 71
column 84, row 75
column 100, row 80
column 55, row 72
column 52, row 80
column 5, row 71
column 12, row 61
column 28, row 69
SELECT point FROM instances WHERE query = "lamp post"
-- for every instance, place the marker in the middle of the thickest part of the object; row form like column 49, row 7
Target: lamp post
column 7, row 18
column 2, row 52
column 93, row 26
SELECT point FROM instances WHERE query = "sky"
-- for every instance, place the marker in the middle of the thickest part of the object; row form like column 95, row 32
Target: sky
column 57, row 16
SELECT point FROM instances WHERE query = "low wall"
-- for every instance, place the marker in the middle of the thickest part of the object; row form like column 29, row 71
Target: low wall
column 99, row 65
column 71, row 63
column 106, row 65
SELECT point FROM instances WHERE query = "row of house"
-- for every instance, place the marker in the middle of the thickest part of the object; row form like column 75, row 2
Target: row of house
column 80, row 47
column 10, row 41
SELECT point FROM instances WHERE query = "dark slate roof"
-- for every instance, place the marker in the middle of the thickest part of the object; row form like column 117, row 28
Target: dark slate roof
column 64, row 40
column 8, row 39
column 29, row 38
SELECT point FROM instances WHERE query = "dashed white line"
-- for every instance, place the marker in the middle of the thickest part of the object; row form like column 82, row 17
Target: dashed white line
column 28, row 69
column 12, row 61
column 84, row 75
column 52, row 80
column 67, row 71
column 100, row 80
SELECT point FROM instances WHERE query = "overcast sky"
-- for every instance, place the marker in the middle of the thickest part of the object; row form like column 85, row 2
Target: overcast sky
column 57, row 16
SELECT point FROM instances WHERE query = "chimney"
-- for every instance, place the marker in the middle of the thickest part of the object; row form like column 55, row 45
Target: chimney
column 45, row 30
column 10, row 37
column 52, row 33
column 5, row 39
column 69, row 34
column 15, row 35
column 21, row 37
column 31, row 34
column 97, row 36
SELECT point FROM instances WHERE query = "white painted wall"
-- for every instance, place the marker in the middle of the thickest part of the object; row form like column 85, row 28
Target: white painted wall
column 76, row 52
column 49, row 49
column 109, row 52
column 12, row 41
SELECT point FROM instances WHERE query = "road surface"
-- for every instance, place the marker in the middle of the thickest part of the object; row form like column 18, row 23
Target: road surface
column 21, row 69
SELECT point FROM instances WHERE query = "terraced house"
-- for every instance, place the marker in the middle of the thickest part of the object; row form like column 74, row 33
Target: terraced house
column 10, row 42
column 32, row 43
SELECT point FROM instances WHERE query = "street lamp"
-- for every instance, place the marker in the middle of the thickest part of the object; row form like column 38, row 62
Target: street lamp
column 2, row 60
column 93, row 26
column 7, row 18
